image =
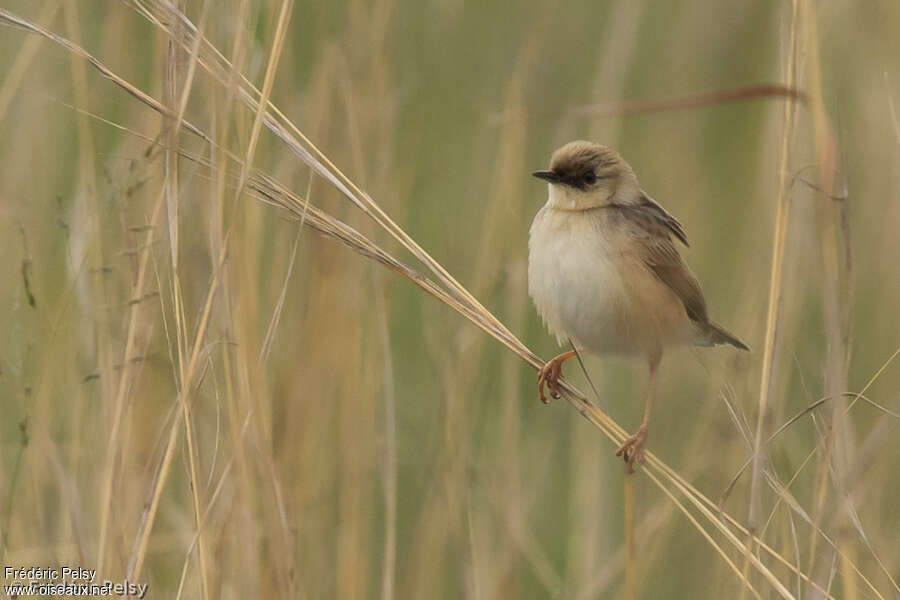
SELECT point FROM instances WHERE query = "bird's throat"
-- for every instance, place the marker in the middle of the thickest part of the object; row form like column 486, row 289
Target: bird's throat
column 564, row 197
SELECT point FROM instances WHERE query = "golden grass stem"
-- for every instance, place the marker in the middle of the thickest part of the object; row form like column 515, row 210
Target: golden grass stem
column 389, row 460
column 171, row 186
column 628, row 524
column 775, row 280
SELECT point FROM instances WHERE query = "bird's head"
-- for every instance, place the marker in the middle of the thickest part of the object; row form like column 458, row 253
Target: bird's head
column 585, row 175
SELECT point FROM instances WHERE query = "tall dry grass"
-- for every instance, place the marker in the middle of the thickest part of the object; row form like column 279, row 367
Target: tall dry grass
column 201, row 395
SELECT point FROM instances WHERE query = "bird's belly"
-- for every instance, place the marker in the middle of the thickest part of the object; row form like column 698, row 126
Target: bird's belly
column 579, row 293
column 602, row 299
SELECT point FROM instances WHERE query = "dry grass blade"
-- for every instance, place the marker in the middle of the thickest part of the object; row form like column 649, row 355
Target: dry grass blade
column 856, row 397
column 784, row 426
column 701, row 100
column 9, row 19
column 744, row 93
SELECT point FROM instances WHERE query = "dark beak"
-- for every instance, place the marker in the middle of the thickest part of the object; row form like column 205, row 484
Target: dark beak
column 550, row 176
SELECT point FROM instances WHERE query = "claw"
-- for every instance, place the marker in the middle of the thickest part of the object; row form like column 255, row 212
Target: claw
column 632, row 451
column 549, row 375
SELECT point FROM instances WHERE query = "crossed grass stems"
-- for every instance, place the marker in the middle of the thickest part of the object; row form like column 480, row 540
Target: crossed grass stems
column 704, row 515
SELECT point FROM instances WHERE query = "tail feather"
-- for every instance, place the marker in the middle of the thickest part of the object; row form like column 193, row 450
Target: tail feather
column 719, row 335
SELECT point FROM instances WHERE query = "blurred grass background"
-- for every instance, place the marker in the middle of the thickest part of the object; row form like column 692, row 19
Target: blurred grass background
column 379, row 445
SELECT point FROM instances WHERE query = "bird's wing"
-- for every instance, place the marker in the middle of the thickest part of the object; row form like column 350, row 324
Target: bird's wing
column 653, row 228
column 649, row 206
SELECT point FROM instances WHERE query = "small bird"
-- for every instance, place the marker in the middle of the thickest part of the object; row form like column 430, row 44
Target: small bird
column 604, row 272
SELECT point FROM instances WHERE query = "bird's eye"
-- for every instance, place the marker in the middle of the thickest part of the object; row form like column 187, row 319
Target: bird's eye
column 589, row 178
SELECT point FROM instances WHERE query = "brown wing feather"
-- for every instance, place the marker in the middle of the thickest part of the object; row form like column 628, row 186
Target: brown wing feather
column 649, row 206
column 654, row 227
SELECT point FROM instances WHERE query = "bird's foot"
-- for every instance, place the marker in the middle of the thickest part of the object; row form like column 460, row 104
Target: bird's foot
column 632, row 451
column 549, row 375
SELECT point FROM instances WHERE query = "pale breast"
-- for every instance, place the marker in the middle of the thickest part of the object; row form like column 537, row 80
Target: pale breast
column 589, row 286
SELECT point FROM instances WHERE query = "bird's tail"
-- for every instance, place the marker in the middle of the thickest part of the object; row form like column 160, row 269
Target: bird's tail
column 719, row 335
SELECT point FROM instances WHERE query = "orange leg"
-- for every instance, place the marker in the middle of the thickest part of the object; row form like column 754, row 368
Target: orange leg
column 632, row 451
column 550, row 374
